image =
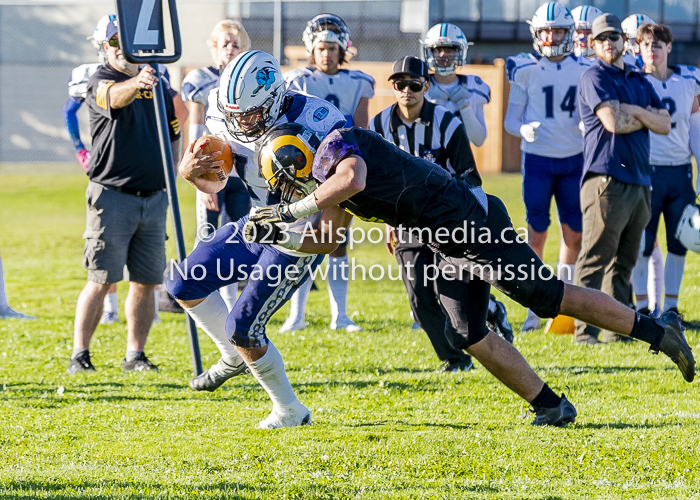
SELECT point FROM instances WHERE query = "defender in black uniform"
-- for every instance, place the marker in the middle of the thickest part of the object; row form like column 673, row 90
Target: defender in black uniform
column 360, row 172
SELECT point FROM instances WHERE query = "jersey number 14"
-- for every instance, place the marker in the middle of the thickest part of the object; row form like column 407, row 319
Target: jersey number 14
column 568, row 104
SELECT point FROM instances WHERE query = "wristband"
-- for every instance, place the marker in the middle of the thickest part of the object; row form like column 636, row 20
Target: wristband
column 303, row 207
column 292, row 240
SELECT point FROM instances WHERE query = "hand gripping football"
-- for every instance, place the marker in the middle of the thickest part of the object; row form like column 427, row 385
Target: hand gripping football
column 216, row 144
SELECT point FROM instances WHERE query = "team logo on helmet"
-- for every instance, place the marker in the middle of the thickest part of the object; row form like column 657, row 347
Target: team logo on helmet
column 265, row 78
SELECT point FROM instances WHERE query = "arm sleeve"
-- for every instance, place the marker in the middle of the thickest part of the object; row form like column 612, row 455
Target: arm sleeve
column 70, row 110
column 517, row 101
column 474, row 123
column 459, row 153
column 98, row 98
column 596, row 88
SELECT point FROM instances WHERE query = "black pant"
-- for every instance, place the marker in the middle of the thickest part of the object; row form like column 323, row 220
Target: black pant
column 423, row 298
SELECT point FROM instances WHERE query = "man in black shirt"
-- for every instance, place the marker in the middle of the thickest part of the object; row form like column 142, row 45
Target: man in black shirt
column 433, row 133
column 359, row 172
column 126, row 202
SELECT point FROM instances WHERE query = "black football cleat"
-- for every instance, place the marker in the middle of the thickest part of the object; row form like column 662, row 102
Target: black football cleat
column 462, row 365
column 81, row 363
column 684, row 323
column 214, row 377
column 563, row 414
column 498, row 321
column 674, row 345
column 140, row 364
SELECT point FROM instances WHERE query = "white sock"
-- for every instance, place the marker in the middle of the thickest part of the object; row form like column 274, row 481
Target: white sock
column 210, row 315
column 230, row 294
column 3, row 292
column 565, row 272
column 640, row 277
column 269, row 371
column 532, row 316
column 156, row 298
column 297, row 313
column 673, row 277
column 110, row 303
column 338, row 274
column 656, row 284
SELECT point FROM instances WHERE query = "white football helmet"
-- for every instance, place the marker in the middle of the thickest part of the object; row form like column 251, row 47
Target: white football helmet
column 445, row 35
column 105, row 29
column 688, row 230
column 251, row 94
column 584, row 15
column 630, row 25
column 552, row 15
column 326, row 28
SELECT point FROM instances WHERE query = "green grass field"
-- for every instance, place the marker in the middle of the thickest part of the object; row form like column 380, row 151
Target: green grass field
column 385, row 424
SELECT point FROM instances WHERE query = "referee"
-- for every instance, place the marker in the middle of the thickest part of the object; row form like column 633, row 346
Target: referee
column 431, row 132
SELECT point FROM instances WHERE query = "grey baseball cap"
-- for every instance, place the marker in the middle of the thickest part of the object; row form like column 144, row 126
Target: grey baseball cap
column 607, row 23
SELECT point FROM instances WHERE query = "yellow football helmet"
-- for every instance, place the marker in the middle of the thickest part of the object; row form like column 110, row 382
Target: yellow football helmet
column 286, row 158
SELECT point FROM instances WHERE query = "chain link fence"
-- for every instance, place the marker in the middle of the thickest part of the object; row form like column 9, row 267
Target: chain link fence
column 41, row 43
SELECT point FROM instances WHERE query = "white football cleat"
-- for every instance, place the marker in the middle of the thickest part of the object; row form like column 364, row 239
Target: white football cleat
column 532, row 322
column 9, row 313
column 346, row 324
column 288, row 416
column 291, row 325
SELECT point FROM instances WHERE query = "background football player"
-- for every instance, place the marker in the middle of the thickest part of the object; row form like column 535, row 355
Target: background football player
column 542, row 110
column 584, row 15
column 242, row 117
column 630, row 25
column 672, row 172
column 444, row 51
column 227, row 40
column 327, row 40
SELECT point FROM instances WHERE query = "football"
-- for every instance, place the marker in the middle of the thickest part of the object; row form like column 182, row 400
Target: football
column 216, row 144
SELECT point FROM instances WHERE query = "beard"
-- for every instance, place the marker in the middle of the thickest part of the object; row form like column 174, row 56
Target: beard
column 125, row 66
column 613, row 57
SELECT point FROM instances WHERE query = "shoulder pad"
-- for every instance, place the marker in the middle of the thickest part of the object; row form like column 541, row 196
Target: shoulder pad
column 77, row 86
column 518, row 62
column 293, row 74
column 318, row 115
column 360, row 75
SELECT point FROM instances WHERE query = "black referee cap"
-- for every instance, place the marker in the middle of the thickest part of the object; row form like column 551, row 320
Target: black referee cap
column 411, row 66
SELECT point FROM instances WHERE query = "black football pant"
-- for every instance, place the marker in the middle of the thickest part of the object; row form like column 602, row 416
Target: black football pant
column 421, row 282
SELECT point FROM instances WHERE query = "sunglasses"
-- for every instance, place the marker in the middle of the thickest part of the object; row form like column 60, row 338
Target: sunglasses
column 413, row 85
column 613, row 37
column 113, row 42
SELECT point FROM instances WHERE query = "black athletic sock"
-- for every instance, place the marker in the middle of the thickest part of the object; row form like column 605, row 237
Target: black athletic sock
column 647, row 330
column 546, row 399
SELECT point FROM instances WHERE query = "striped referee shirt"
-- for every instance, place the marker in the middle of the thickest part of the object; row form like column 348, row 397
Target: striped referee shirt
column 437, row 136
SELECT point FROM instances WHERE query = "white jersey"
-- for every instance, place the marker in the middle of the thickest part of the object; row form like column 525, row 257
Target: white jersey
column 313, row 113
column 198, row 83
column 479, row 91
column 552, row 94
column 77, row 86
column 344, row 89
column 691, row 73
column 635, row 61
column 677, row 93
